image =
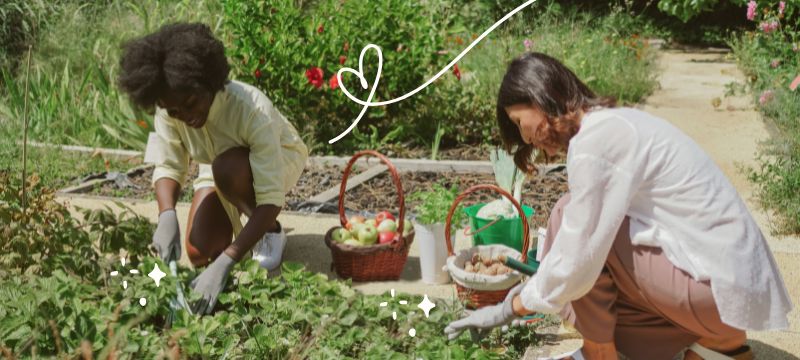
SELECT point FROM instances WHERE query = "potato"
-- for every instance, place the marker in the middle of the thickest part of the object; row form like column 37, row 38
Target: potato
column 476, row 258
column 487, row 262
column 492, row 270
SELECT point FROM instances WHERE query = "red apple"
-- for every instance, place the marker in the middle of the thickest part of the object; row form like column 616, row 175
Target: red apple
column 386, row 237
column 387, row 225
column 383, row 215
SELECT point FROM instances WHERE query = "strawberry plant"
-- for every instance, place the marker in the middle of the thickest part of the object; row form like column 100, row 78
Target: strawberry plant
column 59, row 300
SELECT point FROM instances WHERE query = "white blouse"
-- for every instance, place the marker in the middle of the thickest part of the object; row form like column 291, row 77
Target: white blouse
column 627, row 162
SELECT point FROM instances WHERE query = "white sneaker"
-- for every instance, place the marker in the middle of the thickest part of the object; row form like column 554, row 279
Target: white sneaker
column 269, row 250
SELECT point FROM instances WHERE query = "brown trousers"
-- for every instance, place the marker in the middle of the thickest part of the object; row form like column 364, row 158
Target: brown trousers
column 645, row 305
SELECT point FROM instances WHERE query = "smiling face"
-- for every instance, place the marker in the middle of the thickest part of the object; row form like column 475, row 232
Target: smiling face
column 533, row 127
column 190, row 107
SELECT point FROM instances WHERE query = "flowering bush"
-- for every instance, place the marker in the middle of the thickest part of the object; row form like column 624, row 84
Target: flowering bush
column 769, row 56
column 293, row 54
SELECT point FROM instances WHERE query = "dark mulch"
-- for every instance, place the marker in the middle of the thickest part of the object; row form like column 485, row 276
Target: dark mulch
column 375, row 195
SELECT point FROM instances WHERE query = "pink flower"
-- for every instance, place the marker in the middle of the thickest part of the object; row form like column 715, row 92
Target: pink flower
column 315, row 77
column 766, row 96
column 795, row 83
column 751, row 10
column 775, row 63
column 781, row 6
column 528, row 44
column 768, row 27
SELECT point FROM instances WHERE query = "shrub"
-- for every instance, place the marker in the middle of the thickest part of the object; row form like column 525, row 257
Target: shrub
column 292, row 55
column 769, row 57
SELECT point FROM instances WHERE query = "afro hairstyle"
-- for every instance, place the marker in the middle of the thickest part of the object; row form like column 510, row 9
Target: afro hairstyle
column 178, row 57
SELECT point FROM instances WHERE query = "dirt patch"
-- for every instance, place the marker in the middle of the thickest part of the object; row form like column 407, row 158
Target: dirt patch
column 379, row 193
column 375, row 195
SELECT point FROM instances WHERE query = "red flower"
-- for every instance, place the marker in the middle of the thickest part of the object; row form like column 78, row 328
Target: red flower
column 342, row 59
column 320, row 29
column 457, row 72
column 315, row 76
column 257, row 74
column 333, row 82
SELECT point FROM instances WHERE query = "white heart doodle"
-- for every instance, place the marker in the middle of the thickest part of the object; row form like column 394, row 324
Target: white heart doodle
column 360, row 74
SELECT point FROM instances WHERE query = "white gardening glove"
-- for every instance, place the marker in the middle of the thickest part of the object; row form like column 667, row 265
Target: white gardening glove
column 483, row 320
column 166, row 238
column 211, row 282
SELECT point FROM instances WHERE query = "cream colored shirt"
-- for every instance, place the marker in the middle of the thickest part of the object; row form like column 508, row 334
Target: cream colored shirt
column 240, row 115
column 625, row 162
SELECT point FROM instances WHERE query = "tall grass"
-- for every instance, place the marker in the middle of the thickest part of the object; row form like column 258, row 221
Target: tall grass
column 73, row 93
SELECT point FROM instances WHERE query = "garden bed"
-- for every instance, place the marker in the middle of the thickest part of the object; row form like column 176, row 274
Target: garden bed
column 373, row 195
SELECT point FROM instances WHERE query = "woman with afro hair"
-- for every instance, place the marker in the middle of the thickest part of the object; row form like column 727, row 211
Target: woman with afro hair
column 250, row 155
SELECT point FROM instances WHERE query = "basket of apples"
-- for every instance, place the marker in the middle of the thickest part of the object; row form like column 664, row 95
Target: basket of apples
column 370, row 249
column 479, row 272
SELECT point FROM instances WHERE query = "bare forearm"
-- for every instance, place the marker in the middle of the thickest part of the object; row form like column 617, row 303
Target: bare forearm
column 167, row 193
column 263, row 220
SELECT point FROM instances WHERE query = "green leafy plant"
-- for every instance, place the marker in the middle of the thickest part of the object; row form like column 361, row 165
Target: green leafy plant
column 767, row 54
column 435, row 203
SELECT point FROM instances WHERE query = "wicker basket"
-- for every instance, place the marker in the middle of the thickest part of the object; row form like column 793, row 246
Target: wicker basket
column 472, row 297
column 376, row 262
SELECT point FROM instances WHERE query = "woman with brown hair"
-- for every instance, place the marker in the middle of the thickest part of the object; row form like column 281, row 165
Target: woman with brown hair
column 652, row 251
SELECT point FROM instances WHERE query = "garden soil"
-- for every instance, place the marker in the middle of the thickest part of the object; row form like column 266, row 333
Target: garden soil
column 730, row 133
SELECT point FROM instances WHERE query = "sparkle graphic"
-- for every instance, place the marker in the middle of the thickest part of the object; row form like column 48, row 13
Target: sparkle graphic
column 426, row 305
column 142, row 301
column 156, row 275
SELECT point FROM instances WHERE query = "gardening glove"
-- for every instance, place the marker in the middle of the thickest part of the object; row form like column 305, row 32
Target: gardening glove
column 516, row 290
column 211, row 282
column 480, row 322
column 166, row 239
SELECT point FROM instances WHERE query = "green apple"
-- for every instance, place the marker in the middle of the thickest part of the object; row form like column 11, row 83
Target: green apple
column 341, row 234
column 356, row 228
column 407, row 227
column 368, row 235
column 353, row 242
column 372, row 222
column 387, row 225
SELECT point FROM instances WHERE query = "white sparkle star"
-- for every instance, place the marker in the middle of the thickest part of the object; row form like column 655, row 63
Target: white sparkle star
column 156, row 274
column 426, row 305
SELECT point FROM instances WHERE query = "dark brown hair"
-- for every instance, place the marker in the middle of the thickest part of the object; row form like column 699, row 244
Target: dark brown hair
column 182, row 57
column 545, row 83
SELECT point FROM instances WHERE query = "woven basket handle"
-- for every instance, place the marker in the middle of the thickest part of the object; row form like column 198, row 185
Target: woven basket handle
column 463, row 195
column 398, row 242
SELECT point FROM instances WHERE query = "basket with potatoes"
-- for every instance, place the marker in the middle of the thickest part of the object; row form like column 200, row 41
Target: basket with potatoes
column 479, row 273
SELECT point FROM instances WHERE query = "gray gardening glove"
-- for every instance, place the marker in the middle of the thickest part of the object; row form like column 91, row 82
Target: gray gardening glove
column 211, row 282
column 166, row 239
column 480, row 322
column 516, row 290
